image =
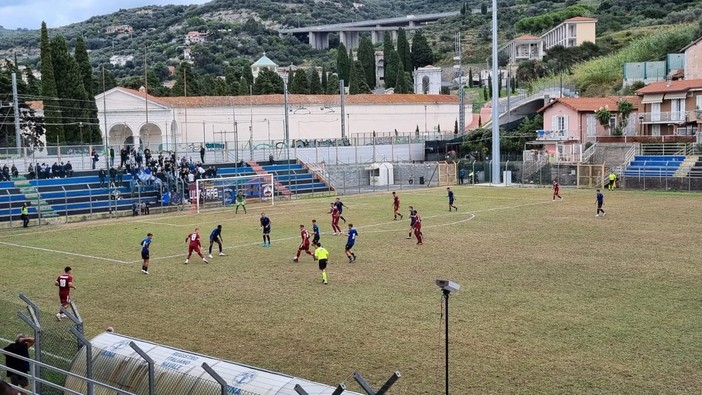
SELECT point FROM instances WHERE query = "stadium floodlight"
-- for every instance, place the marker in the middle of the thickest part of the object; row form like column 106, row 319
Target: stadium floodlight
column 447, row 286
column 218, row 192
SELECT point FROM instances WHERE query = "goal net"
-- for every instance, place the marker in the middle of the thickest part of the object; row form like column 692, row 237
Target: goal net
column 218, row 192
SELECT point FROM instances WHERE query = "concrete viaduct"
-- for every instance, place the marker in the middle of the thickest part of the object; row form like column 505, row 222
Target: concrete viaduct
column 349, row 33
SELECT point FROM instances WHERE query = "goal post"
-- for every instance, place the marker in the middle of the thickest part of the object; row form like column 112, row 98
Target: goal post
column 223, row 191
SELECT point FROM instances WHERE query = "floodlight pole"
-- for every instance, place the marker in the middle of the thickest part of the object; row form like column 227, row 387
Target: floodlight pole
column 446, row 293
column 495, row 103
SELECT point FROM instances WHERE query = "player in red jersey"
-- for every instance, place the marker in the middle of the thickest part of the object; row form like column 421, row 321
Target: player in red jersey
column 336, row 230
column 304, row 243
column 396, row 206
column 418, row 228
column 65, row 284
column 193, row 240
column 556, row 188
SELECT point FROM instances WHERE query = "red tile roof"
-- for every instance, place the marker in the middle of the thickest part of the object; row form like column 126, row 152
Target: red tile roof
column 527, row 37
column 670, row 86
column 581, row 19
column 592, row 104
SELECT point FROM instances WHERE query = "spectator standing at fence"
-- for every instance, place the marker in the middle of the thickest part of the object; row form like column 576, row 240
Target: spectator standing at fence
column 69, row 169
column 65, row 284
column 24, row 215
column 123, row 155
column 202, row 153
column 95, row 157
column 20, row 348
column 461, row 176
column 111, row 153
column 102, row 176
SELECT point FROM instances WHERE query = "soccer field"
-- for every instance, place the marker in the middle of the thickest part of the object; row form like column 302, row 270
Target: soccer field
column 553, row 300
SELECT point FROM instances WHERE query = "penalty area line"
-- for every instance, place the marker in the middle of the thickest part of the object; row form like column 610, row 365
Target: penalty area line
column 62, row 252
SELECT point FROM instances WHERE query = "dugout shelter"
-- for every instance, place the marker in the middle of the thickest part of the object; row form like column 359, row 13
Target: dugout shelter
column 178, row 372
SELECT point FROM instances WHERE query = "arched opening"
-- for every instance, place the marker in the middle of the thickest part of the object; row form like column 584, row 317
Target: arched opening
column 120, row 134
column 151, row 137
column 425, row 85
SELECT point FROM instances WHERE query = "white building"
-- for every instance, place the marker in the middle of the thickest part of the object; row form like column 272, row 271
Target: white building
column 121, row 60
column 427, row 80
column 226, row 119
column 262, row 63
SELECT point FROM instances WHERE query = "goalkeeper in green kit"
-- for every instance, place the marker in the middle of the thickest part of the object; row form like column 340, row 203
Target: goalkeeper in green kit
column 240, row 201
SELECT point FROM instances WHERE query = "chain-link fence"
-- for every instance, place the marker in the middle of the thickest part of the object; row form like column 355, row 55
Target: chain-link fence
column 54, row 345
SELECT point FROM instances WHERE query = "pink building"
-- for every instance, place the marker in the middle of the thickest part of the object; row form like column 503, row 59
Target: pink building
column 693, row 60
column 573, row 118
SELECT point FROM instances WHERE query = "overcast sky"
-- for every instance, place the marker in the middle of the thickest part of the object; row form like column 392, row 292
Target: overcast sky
column 29, row 13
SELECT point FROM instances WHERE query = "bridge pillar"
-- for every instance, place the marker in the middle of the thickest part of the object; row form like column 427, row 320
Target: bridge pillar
column 394, row 35
column 319, row 40
column 350, row 39
column 376, row 36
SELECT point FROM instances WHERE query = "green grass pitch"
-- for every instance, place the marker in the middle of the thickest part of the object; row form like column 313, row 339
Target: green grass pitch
column 553, row 300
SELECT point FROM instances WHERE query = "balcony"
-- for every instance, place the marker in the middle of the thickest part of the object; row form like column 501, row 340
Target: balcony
column 664, row 117
column 551, row 135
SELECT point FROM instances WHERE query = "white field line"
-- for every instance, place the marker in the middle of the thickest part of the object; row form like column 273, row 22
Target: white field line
column 63, row 252
column 8, row 341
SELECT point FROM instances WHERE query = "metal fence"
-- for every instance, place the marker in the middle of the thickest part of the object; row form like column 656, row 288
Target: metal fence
column 55, row 343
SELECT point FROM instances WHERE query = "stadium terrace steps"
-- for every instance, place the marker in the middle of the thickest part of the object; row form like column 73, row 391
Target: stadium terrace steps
column 696, row 169
column 276, row 184
column 686, row 166
column 654, row 165
column 34, row 197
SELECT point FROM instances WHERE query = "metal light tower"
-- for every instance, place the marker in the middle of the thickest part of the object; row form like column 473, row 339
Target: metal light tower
column 461, row 94
column 495, row 101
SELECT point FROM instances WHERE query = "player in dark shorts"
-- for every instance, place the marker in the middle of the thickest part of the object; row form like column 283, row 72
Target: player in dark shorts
column 216, row 237
column 145, row 244
column 321, row 255
column 340, row 206
column 351, row 234
column 315, row 232
column 266, row 228
column 451, row 199
column 599, row 199
column 413, row 218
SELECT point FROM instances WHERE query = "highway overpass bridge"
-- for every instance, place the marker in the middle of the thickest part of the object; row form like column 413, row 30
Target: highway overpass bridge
column 350, row 33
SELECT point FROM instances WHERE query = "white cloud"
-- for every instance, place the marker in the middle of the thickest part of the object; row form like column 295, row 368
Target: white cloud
column 30, row 13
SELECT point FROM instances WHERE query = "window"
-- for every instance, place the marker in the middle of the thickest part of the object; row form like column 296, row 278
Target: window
column 591, row 125
column 425, row 85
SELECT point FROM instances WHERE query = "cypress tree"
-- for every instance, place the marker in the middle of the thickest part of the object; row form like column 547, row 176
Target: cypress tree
column 366, row 55
column 388, row 47
column 186, row 81
column 354, row 81
column 499, row 85
column 333, row 85
column 71, row 91
column 269, row 82
column 485, row 94
column 315, row 84
column 421, row 51
column 52, row 110
column 403, row 49
column 392, row 68
column 343, row 64
column 243, row 87
column 33, row 84
column 470, row 77
column 299, row 84
column 86, row 72
column 402, row 86
column 360, row 73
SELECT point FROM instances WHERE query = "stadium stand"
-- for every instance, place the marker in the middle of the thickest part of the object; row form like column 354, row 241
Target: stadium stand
column 654, row 165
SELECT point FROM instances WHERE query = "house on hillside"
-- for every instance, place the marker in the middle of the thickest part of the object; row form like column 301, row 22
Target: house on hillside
column 119, row 29
column 195, row 37
column 572, row 32
column 693, row 60
column 671, row 107
column 570, row 123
